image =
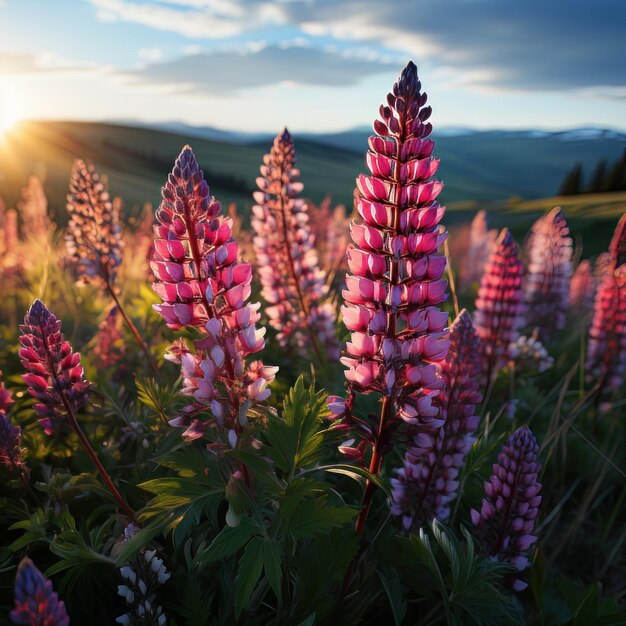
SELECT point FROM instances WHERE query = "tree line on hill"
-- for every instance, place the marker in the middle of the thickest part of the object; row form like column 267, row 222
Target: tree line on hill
column 605, row 177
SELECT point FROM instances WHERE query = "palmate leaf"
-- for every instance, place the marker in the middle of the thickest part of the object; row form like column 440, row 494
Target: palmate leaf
column 228, row 542
column 248, row 573
column 296, row 441
column 314, row 516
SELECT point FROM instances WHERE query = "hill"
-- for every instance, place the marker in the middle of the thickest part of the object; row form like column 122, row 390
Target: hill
column 483, row 166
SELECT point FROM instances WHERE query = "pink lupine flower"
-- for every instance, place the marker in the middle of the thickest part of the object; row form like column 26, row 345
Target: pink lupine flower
column 606, row 351
column 202, row 284
column 582, row 288
column 56, row 380
column 331, row 227
column 6, row 397
column 482, row 241
column 55, row 377
column 33, row 209
column 398, row 333
column 427, row 483
column 94, row 235
column 546, row 285
column 499, row 306
column 284, row 245
column 109, row 347
column 617, row 247
column 36, row 603
column 12, row 257
column 507, row 516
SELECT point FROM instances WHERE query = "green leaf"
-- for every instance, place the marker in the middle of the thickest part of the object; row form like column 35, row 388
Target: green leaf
column 272, row 563
column 315, row 516
column 229, row 541
column 248, row 573
column 296, row 440
column 359, row 474
column 309, row 621
column 587, row 610
column 390, row 580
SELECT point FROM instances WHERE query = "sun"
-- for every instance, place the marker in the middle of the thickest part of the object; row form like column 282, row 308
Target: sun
column 10, row 113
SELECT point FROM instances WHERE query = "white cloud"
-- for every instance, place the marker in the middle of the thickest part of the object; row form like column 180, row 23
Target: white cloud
column 196, row 19
column 150, row 54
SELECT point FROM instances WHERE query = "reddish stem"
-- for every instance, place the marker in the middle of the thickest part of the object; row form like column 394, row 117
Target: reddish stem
column 133, row 329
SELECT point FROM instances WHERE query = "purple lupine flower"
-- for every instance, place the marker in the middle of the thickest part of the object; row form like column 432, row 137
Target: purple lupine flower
column 55, row 377
column 36, row 603
column 202, row 284
column 10, row 440
column 606, row 351
column 94, row 234
column 398, row 333
column 582, row 288
column 427, row 483
column 507, row 516
column 499, row 306
column 546, row 284
column 293, row 283
column 33, row 209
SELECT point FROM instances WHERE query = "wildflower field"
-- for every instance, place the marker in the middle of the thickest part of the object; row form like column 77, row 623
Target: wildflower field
column 311, row 414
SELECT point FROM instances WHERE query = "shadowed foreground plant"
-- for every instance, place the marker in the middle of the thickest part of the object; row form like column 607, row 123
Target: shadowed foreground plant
column 398, row 333
column 36, row 604
column 427, row 483
column 56, row 380
column 94, row 239
column 499, row 306
column 287, row 261
column 203, row 285
column 507, row 516
column 547, row 280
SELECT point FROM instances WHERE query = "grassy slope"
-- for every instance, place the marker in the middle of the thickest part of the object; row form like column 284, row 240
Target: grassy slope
column 137, row 160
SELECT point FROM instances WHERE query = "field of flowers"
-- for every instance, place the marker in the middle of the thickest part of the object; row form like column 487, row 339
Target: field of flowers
column 309, row 415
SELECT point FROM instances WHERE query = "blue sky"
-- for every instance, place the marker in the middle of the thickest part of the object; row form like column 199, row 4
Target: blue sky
column 314, row 65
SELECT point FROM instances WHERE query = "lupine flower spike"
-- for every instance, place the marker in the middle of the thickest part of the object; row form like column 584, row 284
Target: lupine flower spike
column 287, row 261
column 427, row 483
column 203, row 285
column 142, row 576
column 398, row 333
column 582, row 288
column 617, row 247
column 499, row 306
column 56, row 380
column 506, row 520
column 546, row 285
column 606, row 351
column 482, row 241
column 10, row 435
column 36, row 603
column 94, row 239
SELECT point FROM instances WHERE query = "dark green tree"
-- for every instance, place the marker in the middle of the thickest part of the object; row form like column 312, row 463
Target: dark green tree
column 572, row 183
column 598, row 181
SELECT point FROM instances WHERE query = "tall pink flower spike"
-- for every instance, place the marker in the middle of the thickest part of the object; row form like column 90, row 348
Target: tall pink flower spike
column 546, row 284
column 398, row 333
column 482, row 241
column 606, row 350
column 202, row 284
column 427, row 483
column 506, row 519
column 56, row 380
column 582, row 288
column 94, row 233
column 293, row 283
column 499, row 306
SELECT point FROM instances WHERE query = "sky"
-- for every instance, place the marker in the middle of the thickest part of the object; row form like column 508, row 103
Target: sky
column 313, row 65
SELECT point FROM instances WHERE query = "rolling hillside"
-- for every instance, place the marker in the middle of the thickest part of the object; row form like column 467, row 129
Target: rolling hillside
column 486, row 167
